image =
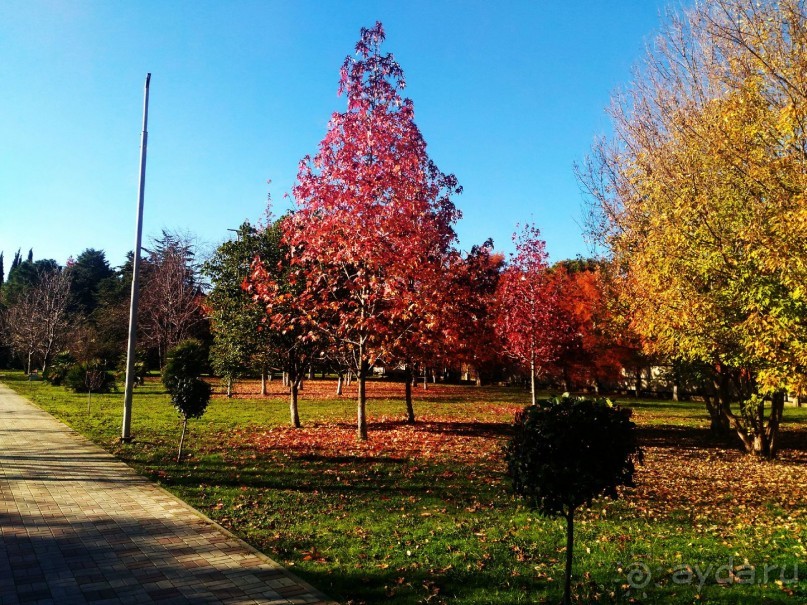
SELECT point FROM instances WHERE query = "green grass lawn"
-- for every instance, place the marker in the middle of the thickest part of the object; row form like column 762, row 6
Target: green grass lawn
column 424, row 514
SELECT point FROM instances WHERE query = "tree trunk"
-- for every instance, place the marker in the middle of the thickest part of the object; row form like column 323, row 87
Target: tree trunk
column 28, row 371
column 410, row 410
column 719, row 422
column 295, row 414
column 362, row 401
column 772, row 430
column 229, row 387
column 339, row 385
column 89, row 394
column 567, row 585
column 263, row 382
column 532, row 379
column 718, row 404
column 425, row 379
column 182, row 438
column 675, row 392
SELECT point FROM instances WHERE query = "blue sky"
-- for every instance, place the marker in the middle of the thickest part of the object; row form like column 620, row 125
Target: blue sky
column 507, row 95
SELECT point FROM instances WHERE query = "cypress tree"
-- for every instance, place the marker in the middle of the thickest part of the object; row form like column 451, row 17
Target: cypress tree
column 15, row 262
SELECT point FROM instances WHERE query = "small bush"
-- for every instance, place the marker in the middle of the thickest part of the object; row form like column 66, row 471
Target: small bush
column 567, row 451
column 186, row 360
column 57, row 371
column 86, row 377
column 190, row 397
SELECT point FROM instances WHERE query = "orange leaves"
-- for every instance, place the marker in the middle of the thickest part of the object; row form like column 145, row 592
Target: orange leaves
column 314, row 555
column 432, row 439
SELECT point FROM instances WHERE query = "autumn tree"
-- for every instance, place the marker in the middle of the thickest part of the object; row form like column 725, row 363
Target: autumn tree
column 171, row 296
column 531, row 325
column 603, row 346
column 285, row 327
column 373, row 219
column 700, row 197
column 466, row 318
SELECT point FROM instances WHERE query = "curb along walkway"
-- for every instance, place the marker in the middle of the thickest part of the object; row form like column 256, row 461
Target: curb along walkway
column 78, row 526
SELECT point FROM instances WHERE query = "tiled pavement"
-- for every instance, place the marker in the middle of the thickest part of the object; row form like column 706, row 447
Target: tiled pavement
column 78, row 526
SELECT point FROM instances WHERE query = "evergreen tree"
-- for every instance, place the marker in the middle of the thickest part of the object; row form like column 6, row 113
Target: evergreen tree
column 15, row 262
column 88, row 272
column 239, row 342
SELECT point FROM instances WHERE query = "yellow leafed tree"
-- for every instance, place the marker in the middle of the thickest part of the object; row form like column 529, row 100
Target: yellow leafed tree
column 701, row 198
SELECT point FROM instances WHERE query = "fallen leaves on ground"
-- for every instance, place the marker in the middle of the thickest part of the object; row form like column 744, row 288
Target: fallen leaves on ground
column 431, row 437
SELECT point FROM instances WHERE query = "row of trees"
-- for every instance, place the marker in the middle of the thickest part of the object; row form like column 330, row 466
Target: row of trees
column 698, row 198
column 365, row 269
column 80, row 310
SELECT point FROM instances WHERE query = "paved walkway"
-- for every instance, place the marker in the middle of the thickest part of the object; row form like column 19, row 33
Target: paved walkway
column 78, row 526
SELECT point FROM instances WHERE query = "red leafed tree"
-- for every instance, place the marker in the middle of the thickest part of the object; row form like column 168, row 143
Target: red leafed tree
column 468, row 318
column 287, row 336
column 373, row 221
column 454, row 318
column 531, row 323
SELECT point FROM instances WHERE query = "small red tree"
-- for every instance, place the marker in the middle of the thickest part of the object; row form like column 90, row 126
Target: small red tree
column 531, row 323
column 468, row 314
column 374, row 219
column 286, row 332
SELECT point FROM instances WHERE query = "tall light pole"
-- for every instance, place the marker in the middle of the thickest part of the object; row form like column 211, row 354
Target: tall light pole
column 126, row 430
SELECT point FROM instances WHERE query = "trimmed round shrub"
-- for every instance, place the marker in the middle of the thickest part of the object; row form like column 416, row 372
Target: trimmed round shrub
column 190, row 397
column 567, row 451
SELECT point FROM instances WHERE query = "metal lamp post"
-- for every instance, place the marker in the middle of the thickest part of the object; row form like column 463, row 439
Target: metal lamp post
column 126, row 430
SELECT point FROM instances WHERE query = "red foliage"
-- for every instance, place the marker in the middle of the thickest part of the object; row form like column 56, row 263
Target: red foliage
column 532, row 324
column 433, row 437
column 468, row 314
column 374, row 219
column 598, row 354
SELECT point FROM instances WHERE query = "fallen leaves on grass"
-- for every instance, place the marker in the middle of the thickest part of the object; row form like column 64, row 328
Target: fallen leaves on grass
column 431, row 438
column 713, row 486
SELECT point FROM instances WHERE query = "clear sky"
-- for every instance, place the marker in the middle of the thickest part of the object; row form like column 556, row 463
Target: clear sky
column 507, row 95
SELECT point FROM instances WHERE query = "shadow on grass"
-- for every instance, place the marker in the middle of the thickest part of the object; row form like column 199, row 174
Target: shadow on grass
column 319, row 477
column 687, row 437
column 466, row 429
column 430, row 586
